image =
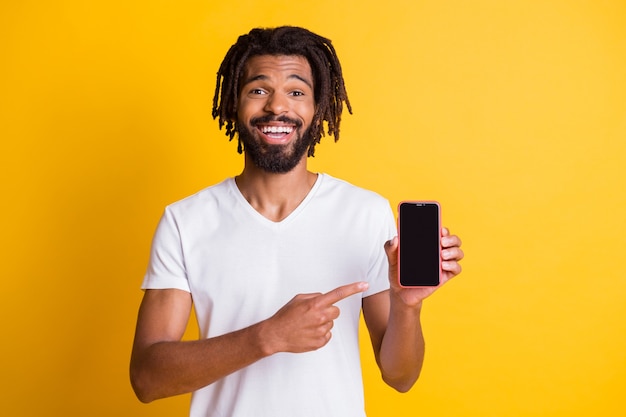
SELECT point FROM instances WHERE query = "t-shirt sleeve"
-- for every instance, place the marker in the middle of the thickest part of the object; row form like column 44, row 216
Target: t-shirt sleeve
column 166, row 268
column 378, row 274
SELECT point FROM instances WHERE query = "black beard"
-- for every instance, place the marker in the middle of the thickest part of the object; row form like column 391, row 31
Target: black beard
column 276, row 159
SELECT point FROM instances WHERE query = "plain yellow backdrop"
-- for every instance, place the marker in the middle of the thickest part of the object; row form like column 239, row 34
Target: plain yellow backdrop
column 511, row 113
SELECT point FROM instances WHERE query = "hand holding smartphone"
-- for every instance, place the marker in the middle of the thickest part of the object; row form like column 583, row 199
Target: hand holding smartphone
column 419, row 251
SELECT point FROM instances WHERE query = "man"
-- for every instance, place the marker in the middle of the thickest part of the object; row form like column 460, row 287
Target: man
column 278, row 262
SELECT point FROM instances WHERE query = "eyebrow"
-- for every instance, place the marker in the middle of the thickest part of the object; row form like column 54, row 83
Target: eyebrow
column 265, row 77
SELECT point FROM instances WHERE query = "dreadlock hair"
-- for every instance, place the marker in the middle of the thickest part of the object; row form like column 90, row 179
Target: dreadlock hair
column 329, row 89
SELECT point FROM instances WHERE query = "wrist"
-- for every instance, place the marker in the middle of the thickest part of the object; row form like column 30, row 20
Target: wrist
column 263, row 339
column 402, row 300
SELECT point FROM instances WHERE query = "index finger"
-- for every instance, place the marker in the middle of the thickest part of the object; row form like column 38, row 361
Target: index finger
column 342, row 292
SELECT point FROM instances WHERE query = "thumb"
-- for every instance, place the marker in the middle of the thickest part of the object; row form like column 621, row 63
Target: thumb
column 391, row 249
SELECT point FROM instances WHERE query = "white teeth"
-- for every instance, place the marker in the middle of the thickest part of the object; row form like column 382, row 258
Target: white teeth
column 277, row 129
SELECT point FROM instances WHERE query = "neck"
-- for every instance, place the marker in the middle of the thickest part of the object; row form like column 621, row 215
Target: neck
column 273, row 195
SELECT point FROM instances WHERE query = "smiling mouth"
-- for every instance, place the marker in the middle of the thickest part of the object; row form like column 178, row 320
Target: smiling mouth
column 276, row 134
column 276, row 130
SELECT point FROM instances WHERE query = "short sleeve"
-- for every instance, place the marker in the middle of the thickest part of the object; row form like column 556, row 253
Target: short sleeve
column 166, row 268
column 378, row 273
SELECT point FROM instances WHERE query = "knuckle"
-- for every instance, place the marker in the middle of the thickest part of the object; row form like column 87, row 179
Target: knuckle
column 317, row 303
column 320, row 341
column 321, row 332
column 334, row 312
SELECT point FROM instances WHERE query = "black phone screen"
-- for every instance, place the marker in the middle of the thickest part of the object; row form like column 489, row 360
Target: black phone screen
column 419, row 252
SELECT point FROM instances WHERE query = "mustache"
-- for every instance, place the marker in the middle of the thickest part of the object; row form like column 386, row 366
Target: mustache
column 270, row 118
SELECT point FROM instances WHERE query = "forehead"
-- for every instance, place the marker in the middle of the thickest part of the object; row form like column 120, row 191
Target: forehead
column 285, row 66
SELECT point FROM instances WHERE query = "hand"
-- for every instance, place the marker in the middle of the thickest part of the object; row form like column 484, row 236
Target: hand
column 451, row 254
column 304, row 323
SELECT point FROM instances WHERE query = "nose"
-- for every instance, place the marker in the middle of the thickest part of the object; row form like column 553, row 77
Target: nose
column 276, row 104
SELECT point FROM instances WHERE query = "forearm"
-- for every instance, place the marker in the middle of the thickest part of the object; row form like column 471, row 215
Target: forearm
column 162, row 365
column 168, row 368
column 402, row 349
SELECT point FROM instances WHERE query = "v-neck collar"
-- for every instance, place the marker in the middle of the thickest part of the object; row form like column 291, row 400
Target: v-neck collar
column 261, row 218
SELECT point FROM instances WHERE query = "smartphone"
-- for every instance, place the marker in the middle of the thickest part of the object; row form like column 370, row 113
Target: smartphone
column 419, row 252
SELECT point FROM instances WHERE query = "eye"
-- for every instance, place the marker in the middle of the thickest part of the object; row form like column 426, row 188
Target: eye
column 297, row 93
column 257, row 91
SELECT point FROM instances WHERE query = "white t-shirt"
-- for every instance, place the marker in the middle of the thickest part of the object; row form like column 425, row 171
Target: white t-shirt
column 241, row 268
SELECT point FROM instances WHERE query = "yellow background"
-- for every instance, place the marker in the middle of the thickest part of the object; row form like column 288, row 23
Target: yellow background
column 511, row 113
